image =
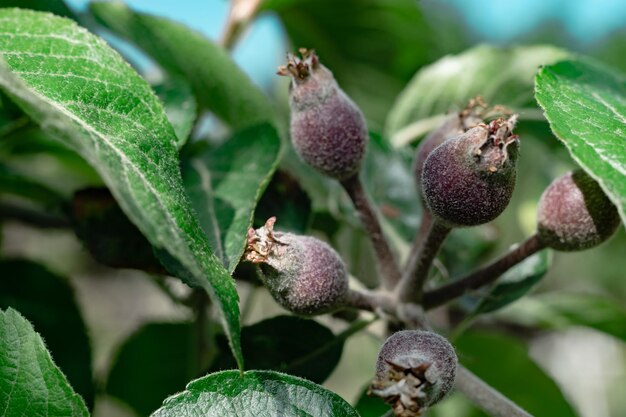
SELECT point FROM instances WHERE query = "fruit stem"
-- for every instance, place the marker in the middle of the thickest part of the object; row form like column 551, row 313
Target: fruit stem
column 370, row 301
column 485, row 397
column 483, row 276
column 420, row 261
column 387, row 265
column 420, row 236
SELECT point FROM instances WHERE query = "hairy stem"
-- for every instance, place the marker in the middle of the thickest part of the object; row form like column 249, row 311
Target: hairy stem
column 485, row 397
column 420, row 236
column 420, row 261
column 387, row 264
column 369, row 301
column 483, row 276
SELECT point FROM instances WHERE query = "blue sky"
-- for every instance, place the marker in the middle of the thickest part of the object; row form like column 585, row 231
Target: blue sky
column 495, row 21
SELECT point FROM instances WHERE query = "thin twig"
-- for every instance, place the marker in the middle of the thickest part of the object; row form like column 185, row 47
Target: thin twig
column 387, row 263
column 485, row 397
column 420, row 261
column 239, row 17
column 483, row 276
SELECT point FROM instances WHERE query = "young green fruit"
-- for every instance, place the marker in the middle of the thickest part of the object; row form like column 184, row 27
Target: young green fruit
column 415, row 370
column 468, row 180
column 575, row 214
column 328, row 130
column 304, row 274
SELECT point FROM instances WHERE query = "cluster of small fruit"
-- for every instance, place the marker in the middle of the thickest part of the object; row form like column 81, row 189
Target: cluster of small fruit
column 465, row 171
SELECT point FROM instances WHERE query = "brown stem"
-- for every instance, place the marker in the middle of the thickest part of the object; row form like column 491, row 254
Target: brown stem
column 486, row 397
column 387, row 264
column 420, row 261
column 241, row 14
column 369, row 301
column 420, row 236
column 483, row 276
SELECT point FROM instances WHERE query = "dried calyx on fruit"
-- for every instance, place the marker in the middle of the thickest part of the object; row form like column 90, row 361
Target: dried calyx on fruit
column 575, row 214
column 415, row 370
column 327, row 129
column 304, row 274
column 468, row 180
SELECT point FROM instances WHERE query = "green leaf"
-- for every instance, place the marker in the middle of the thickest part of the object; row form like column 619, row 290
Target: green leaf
column 218, row 83
column 585, row 104
column 225, row 184
column 58, row 7
column 256, row 393
column 562, row 310
column 48, row 301
column 108, row 235
column 503, row 363
column 373, row 47
column 289, row 344
column 180, row 106
column 30, row 383
column 515, row 283
column 74, row 85
column 371, row 406
column 499, row 75
column 154, row 362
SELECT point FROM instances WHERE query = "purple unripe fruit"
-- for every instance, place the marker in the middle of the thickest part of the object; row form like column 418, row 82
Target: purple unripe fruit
column 328, row 130
column 415, row 370
column 304, row 274
column 454, row 125
column 468, row 180
column 575, row 214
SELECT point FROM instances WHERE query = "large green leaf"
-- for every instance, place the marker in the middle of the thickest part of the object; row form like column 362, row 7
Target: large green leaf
column 515, row 283
column 372, row 46
column 225, row 184
column 255, row 393
column 585, row 104
column 48, row 302
column 217, row 81
column 499, row 75
column 503, row 363
column 289, row 344
column 80, row 90
column 30, row 383
column 180, row 106
column 156, row 361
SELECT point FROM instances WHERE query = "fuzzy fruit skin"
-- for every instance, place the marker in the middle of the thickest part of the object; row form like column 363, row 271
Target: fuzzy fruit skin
column 575, row 214
column 410, row 350
column 305, row 275
column 328, row 130
column 465, row 188
column 451, row 127
column 454, row 125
